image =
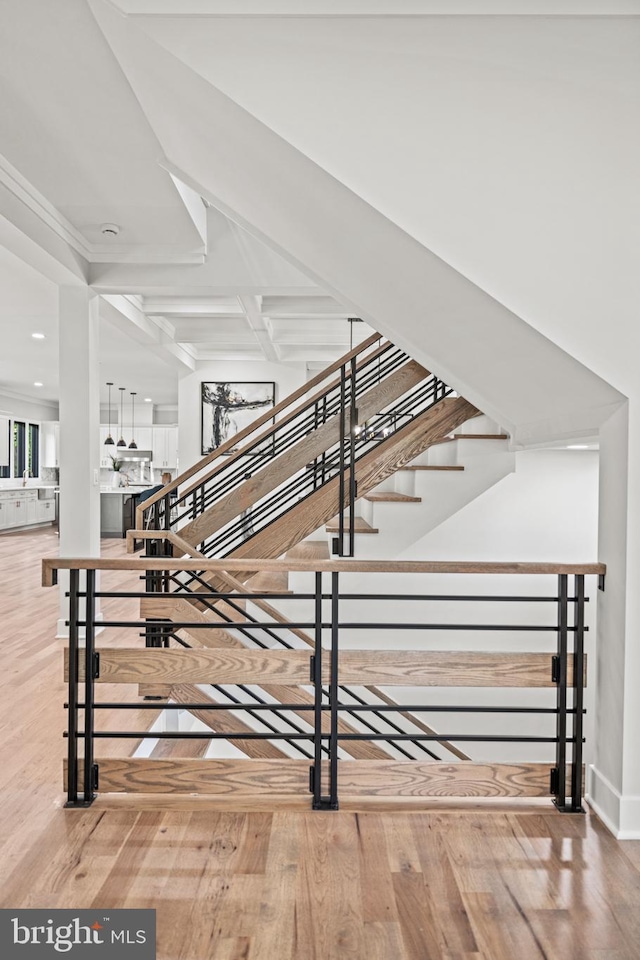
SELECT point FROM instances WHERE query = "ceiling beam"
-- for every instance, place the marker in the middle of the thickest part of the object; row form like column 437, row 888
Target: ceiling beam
column 155, row 334
column 251, row 307
column 191, row 280
column 192, row 306
column 35, row 240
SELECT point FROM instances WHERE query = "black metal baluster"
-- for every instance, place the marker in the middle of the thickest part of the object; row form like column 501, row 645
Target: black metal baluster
column 560, row 675
column 72, row 724
column 89, row 716
column 324, row 452
column 578, row 695
column 317, row 694
column 333, row 694
column 343, row 427
column 153, row 584
column 353, row 419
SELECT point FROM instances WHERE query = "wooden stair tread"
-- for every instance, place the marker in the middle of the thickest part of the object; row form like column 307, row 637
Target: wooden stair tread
column 309, row 550
column 360, row 526
column 269, row 581
column 435, row 466
column 390, row 496
column 480, row 436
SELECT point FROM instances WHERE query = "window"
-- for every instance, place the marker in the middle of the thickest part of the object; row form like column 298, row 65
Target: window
column 33, row 450
column 19, row 451
column 5, row 471
column 24, row 449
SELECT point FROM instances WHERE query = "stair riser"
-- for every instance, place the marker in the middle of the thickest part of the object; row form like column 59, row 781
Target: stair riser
column 481, row 424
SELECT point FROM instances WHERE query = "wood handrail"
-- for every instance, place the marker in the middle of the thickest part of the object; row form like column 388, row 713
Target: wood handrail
column 232, row 442
column 51, row 565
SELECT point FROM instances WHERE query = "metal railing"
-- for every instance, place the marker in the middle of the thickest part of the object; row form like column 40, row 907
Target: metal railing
column 331, row 630
column 197, row 588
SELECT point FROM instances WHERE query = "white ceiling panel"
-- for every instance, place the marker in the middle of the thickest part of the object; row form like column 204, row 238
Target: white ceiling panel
column 75, row 131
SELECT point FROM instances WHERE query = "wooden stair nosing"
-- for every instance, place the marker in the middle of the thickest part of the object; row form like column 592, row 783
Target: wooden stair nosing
column 480, row 436
column 360, row 526
column 390, row 496
column 435, row 466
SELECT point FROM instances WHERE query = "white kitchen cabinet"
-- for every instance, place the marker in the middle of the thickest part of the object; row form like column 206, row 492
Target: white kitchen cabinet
column 31, row 507
column 142, row 435
column 165, row 448
column 4, row 442
column 45, row 511
column 49, row 444
column 21, row 508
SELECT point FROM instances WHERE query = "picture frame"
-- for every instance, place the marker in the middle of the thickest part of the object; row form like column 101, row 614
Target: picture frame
column 228, row 406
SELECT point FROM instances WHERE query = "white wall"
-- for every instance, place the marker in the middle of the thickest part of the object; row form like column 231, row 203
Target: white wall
column 23, row 409
column 546, row 510
column 287, row 377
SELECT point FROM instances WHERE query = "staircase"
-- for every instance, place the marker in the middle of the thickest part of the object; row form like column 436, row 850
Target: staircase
column 299, row 466
column 328, row 444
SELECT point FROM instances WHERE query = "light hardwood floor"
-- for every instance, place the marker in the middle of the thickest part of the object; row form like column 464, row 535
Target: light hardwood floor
column 434, row 880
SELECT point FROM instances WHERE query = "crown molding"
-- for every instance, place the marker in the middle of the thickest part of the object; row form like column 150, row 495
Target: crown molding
column 27, row 194
column 14, row 395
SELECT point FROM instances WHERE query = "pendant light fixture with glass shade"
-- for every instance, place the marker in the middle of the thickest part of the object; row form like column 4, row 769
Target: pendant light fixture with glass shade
column 133, row 445
column 121, row 442
column 109, row 442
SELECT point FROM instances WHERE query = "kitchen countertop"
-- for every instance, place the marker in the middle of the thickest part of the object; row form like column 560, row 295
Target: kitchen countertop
column 122, row 491
column 32, row 486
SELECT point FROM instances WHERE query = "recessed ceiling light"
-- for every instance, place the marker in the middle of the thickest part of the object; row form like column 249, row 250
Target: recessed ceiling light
column 38, row 336
column 37, row 383
column 578, row 446
column 147, row 400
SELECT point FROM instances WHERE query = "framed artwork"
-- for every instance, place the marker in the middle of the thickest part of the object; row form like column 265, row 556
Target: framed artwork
column 230, row 406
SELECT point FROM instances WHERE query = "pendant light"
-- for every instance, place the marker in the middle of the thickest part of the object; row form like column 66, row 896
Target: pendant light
column 133, row 445
column 121, row 441
column 109, row 442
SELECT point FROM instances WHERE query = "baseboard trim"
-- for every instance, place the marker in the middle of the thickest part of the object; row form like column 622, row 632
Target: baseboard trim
column 620, row 814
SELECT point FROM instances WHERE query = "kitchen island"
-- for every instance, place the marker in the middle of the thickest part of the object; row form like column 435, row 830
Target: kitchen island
column 117, row 510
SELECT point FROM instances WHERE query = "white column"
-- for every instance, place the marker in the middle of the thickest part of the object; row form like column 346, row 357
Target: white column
column 614, row 779
column 79, row 430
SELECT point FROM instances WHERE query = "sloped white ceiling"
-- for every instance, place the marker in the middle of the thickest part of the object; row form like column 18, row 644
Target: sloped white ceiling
column 360, row 256
column 507, row 145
